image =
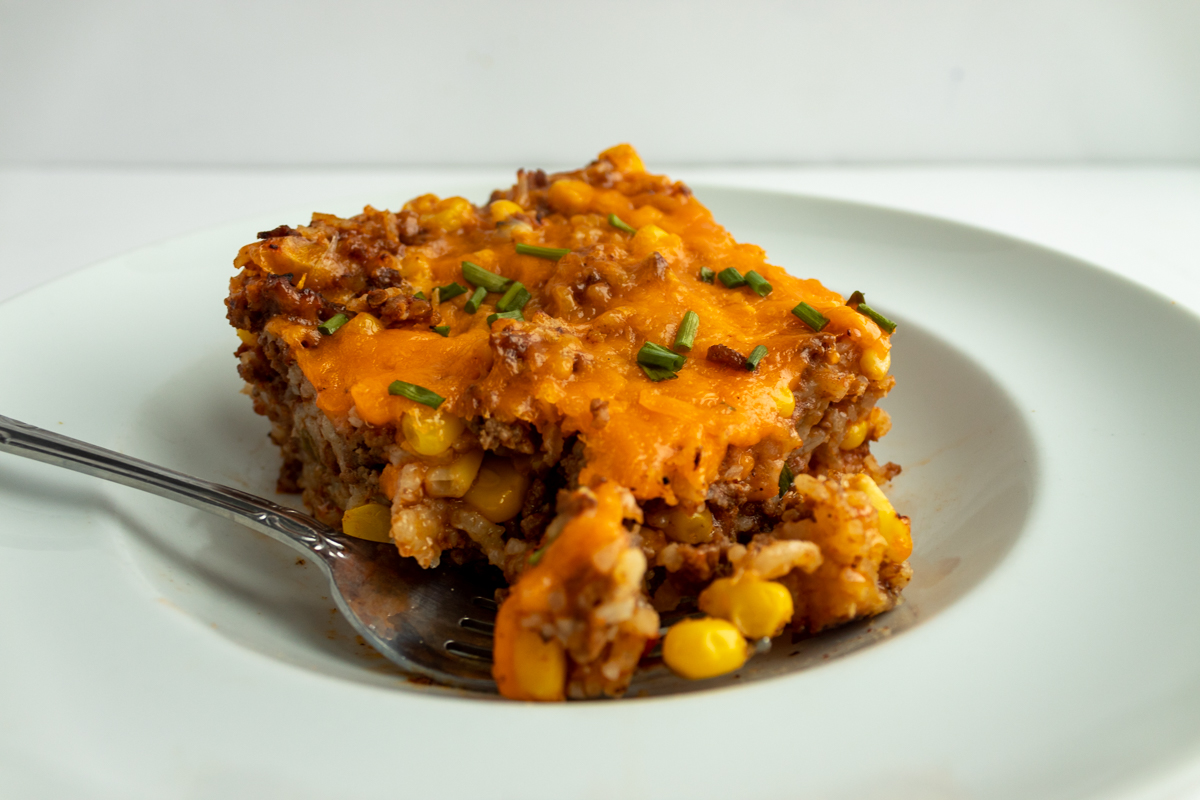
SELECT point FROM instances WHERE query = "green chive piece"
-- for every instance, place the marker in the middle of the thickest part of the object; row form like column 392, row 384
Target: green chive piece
column 472, row 305
column 758, row 283
column 879, row 319
column 810, row 316
column 451, row 290
column 515, row 298
column 856, row 298
column 658, row 374
column 685, row 337
column 785, row 480
column 731, row 278
column 478, row 276
column 420, row 296
column 441, row 330
column 310, row 447
column 536, row 556
column 514, row 314
column 616, row 222
column 548, row 253
column 655, row 355
column 756, row 355
column 418, row 394
column 332, row 324
column 707, row 275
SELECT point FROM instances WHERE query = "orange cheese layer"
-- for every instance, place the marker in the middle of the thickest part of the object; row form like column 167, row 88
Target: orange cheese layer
column 591, row 312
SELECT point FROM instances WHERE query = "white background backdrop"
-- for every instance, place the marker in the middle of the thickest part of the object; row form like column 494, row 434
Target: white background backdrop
column 272, row 82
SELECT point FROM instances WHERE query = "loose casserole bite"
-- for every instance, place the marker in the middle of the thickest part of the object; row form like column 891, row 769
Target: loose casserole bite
column 590, row 384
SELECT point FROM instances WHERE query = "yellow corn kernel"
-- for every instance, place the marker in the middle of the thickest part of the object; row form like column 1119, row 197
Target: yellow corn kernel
column 570, row 197
column 362, row 323
column 785, row 401
column 499, row 491
column 893, row 527
column 704, row 648
column 455, row 478
column 714, row 600
column 372, row 522
column 514, row 230
column 610, row 201
column 503, row 209
column 246, row 336
column 540, row 667
column 760, row 608
column 486, row 257
column 429, row 433
column 425, row 204
column 415, row 269
column 624, row 158
column 756, row 607
column 876, row 362
column 451, row 214
column 651, row 238
column 856, row 434
column 682, row 525
column 643, row 216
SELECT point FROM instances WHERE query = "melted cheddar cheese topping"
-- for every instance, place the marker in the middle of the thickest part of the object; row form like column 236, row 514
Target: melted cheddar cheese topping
column 571, row 365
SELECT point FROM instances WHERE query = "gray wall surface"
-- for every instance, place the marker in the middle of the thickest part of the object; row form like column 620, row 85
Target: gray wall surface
column 367, row 82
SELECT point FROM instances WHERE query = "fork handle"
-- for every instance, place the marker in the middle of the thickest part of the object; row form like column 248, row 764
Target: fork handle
column 279, row 522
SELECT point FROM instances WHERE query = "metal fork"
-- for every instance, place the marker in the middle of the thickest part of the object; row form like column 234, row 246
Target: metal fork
column 434, row 623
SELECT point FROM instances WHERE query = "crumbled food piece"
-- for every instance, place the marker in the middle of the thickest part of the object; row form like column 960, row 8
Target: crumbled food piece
column 726, row 356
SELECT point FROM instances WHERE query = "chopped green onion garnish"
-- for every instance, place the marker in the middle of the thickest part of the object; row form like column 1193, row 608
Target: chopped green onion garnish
column 657, row 374
column 420, row 296
column 785, row 479
column 707, row 275
column 332, row 324
column 758, row 283
column 515, row 298
column 756, row 355
column 443, row 330
column 478, row 276
column 536, row 556
column 472, row 305
column 548, row 253
column 685, row 337
column 655, row 355
column 858, row 302
column 514, row 314
column 418, row 394
column 451, row 290
column 810, row 316
column 879, row 319
column 731, row 278
column 310, row 447
column 616, row 222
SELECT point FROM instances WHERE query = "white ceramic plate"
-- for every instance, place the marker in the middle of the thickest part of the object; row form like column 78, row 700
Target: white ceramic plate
column 1050, row 647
